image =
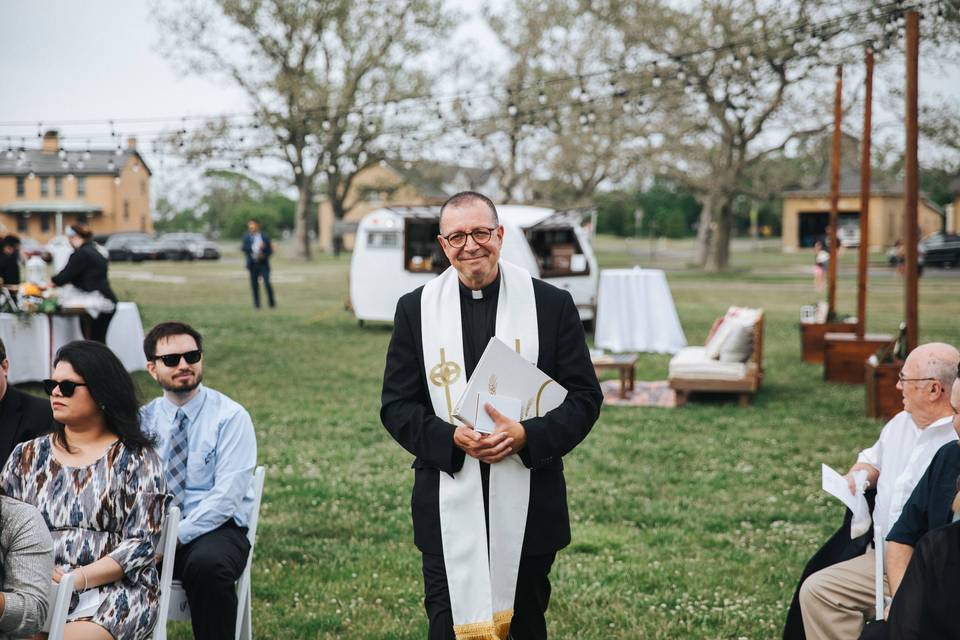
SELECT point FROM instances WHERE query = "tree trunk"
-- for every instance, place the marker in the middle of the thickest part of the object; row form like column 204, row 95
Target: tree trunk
column 301, row 226
column 720, row 250
column 703, row 230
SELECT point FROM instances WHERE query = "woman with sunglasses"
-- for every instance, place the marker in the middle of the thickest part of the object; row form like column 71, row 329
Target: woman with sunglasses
column 100, row 487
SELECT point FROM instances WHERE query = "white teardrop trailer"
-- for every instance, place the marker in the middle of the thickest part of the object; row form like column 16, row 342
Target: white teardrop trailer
column 396, row 251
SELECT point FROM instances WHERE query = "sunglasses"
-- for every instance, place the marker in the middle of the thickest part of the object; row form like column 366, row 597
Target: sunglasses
column 173, row 359
column 67, row 387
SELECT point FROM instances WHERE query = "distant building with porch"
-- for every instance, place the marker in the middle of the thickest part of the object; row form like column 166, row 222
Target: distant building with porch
column 953, row 209
column 400, row 183
column 806, row 211
column 44, row 190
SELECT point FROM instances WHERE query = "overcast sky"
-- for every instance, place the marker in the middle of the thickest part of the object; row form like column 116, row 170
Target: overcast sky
column 62, row 60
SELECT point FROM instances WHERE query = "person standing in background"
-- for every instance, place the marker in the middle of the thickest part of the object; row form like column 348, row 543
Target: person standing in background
column 258, row 248
column 87, row 270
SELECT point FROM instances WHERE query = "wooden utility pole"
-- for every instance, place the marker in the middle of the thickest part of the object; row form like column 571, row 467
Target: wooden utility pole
column 911, row 182
column 865, row 199
column 834, row 196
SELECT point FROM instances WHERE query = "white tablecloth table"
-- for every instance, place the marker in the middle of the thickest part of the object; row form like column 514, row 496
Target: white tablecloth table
column 635, row 313
column 28, row 342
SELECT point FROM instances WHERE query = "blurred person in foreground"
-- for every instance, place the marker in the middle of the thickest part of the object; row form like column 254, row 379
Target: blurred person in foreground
column 26, row 564
column 99, row 486
column 835, row 600
column 22, row 416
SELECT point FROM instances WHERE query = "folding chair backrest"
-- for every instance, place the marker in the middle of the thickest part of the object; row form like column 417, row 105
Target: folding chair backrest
column 168, row 549
column 58, row 607
column 243, row 585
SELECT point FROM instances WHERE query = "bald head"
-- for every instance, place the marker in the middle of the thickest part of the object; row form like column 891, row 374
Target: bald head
column 936, row 360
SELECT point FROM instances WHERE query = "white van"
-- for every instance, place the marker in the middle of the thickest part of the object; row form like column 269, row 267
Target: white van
column 397, row 251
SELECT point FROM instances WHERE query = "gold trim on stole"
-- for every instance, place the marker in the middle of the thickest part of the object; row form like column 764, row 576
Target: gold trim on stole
column 475, row 631
column 501, row 623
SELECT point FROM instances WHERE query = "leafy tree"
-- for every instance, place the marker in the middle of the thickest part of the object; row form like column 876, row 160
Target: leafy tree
column 317, row 74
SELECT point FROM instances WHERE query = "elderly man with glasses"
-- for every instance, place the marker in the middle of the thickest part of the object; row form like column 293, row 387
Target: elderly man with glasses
column 834, row 600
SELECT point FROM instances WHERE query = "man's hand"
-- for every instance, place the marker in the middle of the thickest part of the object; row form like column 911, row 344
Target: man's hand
column 488, row 448
column 515, row 432
column 873, row 475
column 57, row 574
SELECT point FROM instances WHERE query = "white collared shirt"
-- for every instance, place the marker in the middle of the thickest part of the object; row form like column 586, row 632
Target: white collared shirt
column 902, row 454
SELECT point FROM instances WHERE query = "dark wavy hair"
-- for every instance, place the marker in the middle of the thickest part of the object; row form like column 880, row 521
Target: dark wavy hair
column 110, row 386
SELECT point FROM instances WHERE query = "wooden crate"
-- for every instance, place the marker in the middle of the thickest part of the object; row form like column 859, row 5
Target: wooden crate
column 883, row 398
column 811, row 338
column 845, row 355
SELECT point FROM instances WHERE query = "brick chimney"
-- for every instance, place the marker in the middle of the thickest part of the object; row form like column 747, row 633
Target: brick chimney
column 132, row 143
column 51, row 141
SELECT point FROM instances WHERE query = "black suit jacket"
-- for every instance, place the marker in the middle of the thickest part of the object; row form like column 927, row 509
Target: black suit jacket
column 408, row 415
column 86, row 270
column 22, row 417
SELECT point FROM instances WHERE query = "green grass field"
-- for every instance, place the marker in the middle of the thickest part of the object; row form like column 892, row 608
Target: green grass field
column 687, row 523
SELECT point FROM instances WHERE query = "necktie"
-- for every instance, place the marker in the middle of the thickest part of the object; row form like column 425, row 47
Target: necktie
column 177, row 465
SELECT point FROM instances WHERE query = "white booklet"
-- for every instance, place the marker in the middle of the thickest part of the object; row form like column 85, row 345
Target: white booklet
column 836, row 485
column 516, row 388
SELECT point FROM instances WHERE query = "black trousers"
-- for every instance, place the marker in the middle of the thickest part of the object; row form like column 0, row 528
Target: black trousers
column 96, row 328
column 209, row 567
column 529, row 607
column 261, row 271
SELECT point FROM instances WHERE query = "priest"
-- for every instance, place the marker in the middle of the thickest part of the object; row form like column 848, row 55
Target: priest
column 489, row 511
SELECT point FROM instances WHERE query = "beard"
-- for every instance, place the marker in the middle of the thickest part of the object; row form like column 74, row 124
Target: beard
column 182, row 388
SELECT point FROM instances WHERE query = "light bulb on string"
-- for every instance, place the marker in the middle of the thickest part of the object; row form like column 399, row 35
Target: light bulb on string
column 118, row 151
column 62, row 153
column 69, row 176
column 80, row 164
column 542, row 98
column 110, row 165
column 512, row 109
column 65, row 164
column 116, row 180
column 31, row 175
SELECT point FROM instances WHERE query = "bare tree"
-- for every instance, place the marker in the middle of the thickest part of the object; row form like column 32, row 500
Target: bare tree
column 733, row 86
column 319, row 77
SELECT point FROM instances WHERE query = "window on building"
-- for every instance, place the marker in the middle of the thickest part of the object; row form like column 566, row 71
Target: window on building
column 44, row 223
column 81, row 186
column 22, row 223
column 58, row 186
column 44, row 187
column 21, row 186
column 126, row 210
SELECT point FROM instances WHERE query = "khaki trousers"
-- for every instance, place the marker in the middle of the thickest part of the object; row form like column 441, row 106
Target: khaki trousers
column 835, row 600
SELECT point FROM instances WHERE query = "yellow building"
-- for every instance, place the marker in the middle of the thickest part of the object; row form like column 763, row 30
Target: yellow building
column 953, row 209
column 44, row 190
column 807, row 211
column 397, row 183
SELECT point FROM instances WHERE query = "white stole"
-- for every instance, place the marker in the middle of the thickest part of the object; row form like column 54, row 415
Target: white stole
column 482, row 583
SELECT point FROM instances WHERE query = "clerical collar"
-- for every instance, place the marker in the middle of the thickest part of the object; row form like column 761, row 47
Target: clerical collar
column 486, row 293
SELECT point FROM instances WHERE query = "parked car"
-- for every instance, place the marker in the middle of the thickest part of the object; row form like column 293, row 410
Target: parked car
column 132, row 246
column 193, row 243
column 940, row 250
column 30, row 247
column 173, row 248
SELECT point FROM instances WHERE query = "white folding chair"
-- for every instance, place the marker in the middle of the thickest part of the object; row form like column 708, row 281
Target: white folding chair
column 179, row 609
column 58, row 606
column 168, row 548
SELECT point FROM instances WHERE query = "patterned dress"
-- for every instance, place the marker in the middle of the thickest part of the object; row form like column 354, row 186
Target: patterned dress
column 114, row 507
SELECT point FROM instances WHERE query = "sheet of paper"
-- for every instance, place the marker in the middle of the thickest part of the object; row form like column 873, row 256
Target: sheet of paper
column 88, row 604
column 836, row 485
column 509, row 407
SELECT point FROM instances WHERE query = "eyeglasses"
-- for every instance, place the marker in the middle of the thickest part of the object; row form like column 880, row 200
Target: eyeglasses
column 458, row 239
column 902, row 379
column 173, row 359
column 67, row 387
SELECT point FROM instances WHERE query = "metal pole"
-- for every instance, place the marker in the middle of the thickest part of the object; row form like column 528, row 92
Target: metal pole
column 834, row 195
column 865, row 200
column 911, row 182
